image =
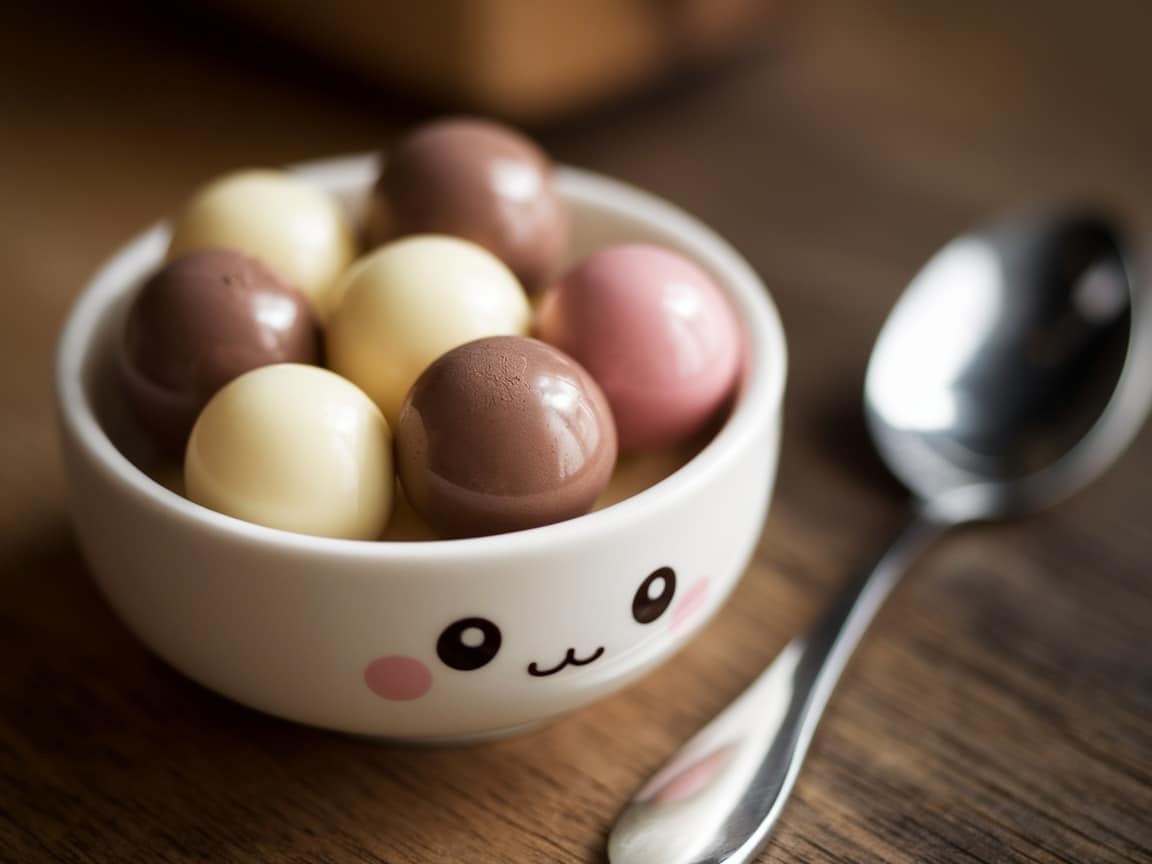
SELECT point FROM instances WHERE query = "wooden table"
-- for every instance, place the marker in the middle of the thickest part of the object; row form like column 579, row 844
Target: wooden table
column 1001, row 709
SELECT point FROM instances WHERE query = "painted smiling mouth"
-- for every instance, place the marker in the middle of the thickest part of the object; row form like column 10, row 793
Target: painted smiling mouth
column 570, row 659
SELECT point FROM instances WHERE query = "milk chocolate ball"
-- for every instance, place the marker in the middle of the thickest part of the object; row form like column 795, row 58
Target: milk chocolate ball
column 480, row 181
column 200, row 321
column 502, row 434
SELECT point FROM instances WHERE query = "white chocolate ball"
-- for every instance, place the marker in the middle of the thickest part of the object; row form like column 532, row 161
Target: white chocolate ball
column 410, row 301
column 297, row 229
column 294, row 447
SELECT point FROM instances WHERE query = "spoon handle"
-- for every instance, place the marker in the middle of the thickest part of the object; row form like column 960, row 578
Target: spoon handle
column 718, row 798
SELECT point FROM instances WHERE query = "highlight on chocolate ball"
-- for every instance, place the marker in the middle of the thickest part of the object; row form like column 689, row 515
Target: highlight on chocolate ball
column 296, row 344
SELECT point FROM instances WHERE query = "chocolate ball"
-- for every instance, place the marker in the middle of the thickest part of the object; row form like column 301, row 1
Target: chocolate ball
column 502, row 434
column 657, row 334
column 297, row 448
column 480, row 181
column 200, row 321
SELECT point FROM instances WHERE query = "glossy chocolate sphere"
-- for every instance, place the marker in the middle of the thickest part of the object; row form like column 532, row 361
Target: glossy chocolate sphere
column 297, row 448
column 199, row 322
column 656, row 333
column 502, row 434
column 480, row 181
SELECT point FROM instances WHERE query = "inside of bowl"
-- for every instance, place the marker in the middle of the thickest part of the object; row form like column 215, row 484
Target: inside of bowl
column 595, row 224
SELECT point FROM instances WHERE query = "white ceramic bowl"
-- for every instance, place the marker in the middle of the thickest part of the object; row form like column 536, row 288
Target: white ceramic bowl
column 292, row 624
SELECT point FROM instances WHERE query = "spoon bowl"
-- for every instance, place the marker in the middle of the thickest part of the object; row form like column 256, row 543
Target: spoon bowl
column 996, row 380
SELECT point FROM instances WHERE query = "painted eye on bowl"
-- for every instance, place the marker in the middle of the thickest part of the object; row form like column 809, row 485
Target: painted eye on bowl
column 654, row 595
column 469, row 644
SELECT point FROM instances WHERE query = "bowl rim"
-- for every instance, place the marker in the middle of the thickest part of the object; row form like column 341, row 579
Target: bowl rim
column 762, row 388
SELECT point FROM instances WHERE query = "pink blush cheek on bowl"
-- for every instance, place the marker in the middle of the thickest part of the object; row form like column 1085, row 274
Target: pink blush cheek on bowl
column 397, row 678
column 687, row 611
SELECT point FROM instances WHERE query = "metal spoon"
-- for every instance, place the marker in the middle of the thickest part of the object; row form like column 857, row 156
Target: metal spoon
column 1014, row 369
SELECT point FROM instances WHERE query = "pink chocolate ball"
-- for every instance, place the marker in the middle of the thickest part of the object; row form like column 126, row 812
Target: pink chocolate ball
column 655, row 332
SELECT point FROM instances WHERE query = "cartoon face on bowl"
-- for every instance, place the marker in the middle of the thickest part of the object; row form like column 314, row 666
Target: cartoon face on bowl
column 526, row 655
column 428, row 641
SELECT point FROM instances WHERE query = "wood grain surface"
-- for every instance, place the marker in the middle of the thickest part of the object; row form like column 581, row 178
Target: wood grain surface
column 1001, row 710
